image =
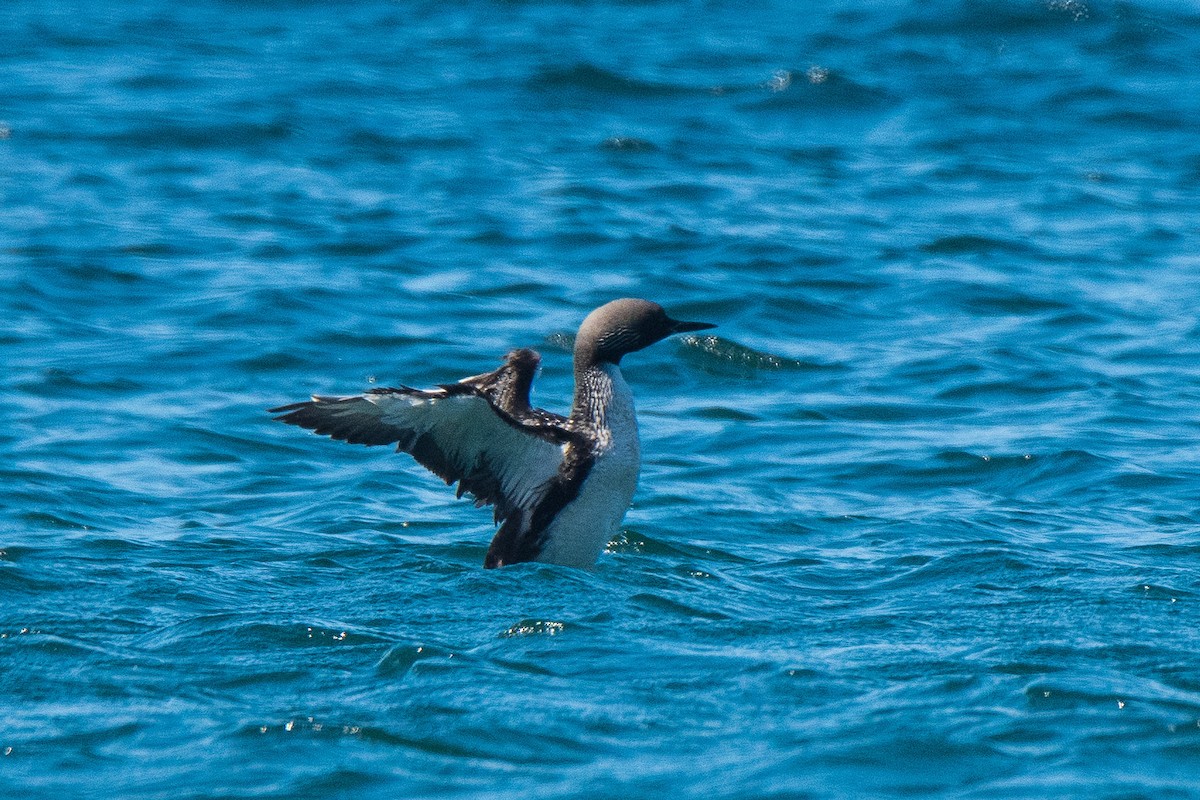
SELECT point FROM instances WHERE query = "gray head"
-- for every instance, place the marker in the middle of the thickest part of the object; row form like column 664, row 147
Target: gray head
column 623, row 326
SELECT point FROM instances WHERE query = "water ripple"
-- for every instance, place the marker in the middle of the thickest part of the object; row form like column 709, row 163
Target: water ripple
column 918, row 517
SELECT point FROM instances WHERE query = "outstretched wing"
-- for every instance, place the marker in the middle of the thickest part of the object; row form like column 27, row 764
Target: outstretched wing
column 479, row 432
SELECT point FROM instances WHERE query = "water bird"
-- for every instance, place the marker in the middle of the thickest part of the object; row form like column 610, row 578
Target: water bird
column 560, row 486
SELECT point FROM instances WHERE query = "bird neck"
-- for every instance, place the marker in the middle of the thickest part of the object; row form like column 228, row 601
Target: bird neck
column 602, row 398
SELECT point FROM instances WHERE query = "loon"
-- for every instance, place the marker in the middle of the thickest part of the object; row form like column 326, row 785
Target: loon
column 560, row 486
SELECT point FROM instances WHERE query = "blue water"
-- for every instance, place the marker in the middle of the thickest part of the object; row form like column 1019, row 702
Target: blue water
column 921, row 519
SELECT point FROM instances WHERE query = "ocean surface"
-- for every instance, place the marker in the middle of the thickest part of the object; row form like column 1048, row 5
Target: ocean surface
column 921, row 517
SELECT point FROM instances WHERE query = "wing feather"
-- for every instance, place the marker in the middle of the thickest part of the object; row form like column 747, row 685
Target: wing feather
column 479, row 433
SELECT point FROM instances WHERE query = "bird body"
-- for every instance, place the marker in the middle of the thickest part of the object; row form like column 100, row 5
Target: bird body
column 581, row 530
column 560, row 486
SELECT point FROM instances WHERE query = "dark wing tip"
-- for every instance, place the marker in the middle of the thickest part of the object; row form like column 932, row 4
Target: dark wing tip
column 506, row 387
column 524, row 358
column 293, row 412
column 336, row 418
column 287, row 408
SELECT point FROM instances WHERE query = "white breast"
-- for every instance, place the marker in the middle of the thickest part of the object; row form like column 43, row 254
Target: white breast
column 582, row 529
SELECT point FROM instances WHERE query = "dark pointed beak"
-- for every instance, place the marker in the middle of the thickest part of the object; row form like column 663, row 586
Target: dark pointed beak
column 679, row 326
